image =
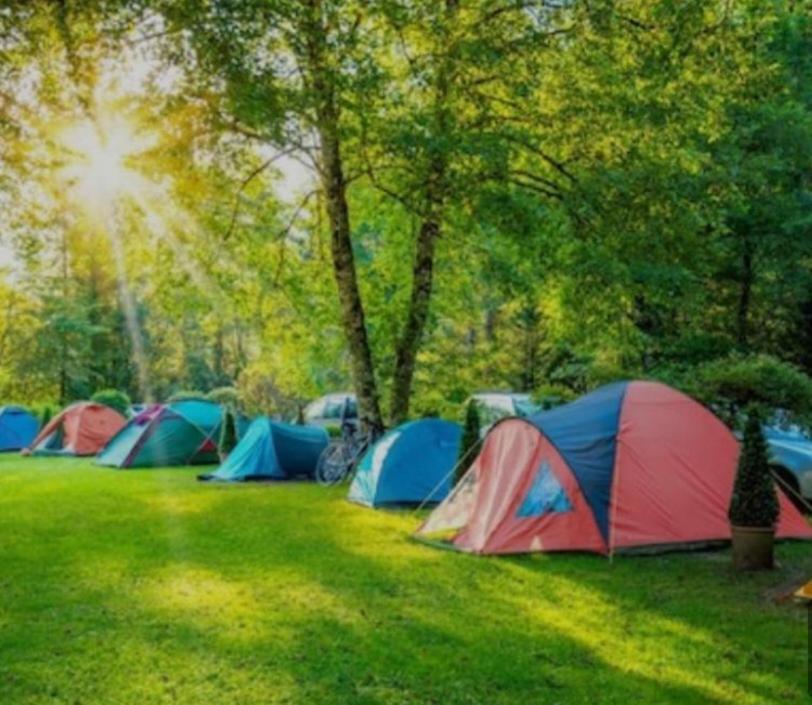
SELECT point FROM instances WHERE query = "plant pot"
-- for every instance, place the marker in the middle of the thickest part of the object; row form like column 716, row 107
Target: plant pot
column 753, row 547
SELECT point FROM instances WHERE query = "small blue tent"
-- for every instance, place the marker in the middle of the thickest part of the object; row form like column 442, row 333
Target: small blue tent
column 271, row 450
column 410, row 464
column 18, row 428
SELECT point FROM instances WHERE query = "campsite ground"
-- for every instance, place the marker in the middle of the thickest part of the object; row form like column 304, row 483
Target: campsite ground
column 145, row 587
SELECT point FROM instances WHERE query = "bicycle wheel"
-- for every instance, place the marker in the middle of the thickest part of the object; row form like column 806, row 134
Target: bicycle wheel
column 334, row 464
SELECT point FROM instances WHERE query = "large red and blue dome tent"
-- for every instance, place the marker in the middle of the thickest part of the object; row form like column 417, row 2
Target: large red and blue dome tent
column 632, row 465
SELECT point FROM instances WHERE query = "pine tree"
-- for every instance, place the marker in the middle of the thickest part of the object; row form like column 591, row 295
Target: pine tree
column 228, row 434
column 754, row 501
column 470, row 438
column 47, row 415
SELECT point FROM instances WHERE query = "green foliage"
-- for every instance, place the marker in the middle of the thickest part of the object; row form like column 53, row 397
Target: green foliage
column 113, row 398
column 754, row 501
column 734, row 383
column 46, row 415
column 610, row 204
column 470, row 439
column 226, row 396
column 333, row 430
column 185, row 394
column 228, row 433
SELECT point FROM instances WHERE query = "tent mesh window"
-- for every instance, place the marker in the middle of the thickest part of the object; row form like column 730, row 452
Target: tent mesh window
column 546, row 495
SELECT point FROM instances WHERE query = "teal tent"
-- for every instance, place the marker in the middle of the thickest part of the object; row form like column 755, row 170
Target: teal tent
column 410, row 464
column 270, row 450
column 179, row 433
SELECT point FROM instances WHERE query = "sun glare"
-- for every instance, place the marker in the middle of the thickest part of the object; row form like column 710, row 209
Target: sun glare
column 97, row 168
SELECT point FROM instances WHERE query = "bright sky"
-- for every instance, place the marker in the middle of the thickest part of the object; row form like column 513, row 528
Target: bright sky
column 103, row 165
column 6, row 257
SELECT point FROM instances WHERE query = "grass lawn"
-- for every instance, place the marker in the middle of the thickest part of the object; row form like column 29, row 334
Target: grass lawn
column 146, row 587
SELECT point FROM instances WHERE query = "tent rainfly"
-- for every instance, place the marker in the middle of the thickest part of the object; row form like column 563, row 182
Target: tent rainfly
column 632, row 466
column 82, row 428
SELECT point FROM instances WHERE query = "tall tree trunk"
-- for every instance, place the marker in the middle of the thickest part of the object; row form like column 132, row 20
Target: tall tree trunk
column 745, row 296
column 409, row 341
column 408, row 344
column 335, row 186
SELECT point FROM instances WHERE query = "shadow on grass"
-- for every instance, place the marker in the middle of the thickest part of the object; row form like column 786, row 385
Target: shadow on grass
column 158, row 590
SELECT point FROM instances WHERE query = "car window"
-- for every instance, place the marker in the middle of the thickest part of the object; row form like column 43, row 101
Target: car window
column 333, row 408
column 352, row 408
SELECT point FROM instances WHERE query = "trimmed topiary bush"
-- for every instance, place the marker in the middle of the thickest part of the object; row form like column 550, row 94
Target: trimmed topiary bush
column 113, row 398
column 228, row 434
column 470, row 438
column 46, row 416
column 754, row 502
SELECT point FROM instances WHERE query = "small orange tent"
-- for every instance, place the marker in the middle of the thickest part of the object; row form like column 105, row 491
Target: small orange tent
column 82, row 428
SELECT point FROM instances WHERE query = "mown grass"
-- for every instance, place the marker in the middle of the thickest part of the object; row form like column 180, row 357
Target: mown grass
column 145, row 587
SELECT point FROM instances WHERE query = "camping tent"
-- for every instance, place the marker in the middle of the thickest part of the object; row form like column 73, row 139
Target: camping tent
column 17, row 428
column 273, row 450
column 82, row 428
column 410, row 464
column 632, row 465
column 179, row 433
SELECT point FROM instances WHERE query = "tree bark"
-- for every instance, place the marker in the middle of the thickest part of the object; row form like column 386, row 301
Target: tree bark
column 335, row 186
column 408, row 344
column 416, row 318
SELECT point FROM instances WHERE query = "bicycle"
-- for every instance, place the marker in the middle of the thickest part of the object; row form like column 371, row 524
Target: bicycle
column 339, row 460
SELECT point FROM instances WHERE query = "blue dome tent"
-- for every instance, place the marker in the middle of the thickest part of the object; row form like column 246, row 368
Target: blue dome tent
column 18, row 428
column 271, row 450
column 410, row 464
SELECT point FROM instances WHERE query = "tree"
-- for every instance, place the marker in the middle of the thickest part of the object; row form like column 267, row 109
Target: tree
column 228, row 433
column 47, row 415
column 754, row 501
column 470, row 439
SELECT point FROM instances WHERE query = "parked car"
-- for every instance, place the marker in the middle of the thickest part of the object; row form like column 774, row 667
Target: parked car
column 494, row 406
column 330, row 409
column 790, row 451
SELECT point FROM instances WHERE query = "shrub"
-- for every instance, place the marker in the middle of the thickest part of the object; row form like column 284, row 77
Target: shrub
column 113, row 398
column 735, row 383
column 47, row 415
column 185, row 394
column 228, row 433
column 754, row 502
column 333, row 431
column 227, row 396
column 470, row 439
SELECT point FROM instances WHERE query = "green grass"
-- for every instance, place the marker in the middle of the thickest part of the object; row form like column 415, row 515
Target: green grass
column 145, row 587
